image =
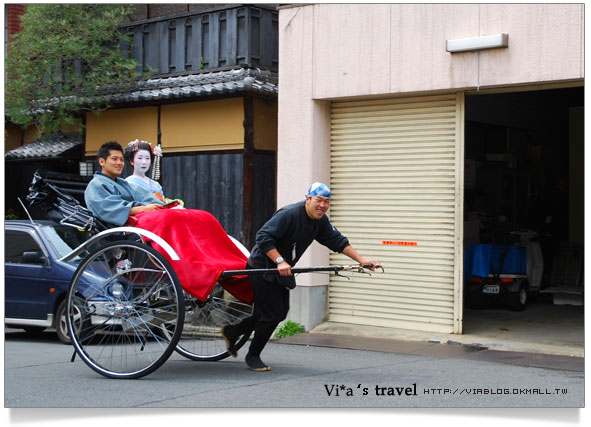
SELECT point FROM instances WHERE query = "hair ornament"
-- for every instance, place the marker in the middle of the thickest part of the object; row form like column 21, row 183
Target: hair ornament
column 156, row 167
column 134, row 146
column 156, row 152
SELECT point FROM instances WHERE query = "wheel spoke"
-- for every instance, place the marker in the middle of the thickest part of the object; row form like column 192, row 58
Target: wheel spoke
column 201, row 338
column 121, row 314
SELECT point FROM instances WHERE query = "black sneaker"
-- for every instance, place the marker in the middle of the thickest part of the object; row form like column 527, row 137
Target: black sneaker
column 230, row 342
column 255, row 363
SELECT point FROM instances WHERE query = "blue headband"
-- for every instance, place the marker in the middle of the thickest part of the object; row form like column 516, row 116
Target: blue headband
column 318, row 189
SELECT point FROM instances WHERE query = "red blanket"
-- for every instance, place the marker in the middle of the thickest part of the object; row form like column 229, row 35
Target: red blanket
column 204, row 248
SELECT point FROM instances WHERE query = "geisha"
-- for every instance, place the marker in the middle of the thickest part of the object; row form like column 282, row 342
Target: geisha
column 196, row 236
column 140, row 154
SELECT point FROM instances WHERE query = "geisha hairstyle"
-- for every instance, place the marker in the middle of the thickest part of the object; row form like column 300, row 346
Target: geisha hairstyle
column 135, row 146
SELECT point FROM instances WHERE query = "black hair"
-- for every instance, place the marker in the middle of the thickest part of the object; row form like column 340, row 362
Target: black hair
column 130, row 153
column 106, row 148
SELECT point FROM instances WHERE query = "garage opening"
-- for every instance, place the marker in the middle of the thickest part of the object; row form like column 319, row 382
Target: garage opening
column 524, row 212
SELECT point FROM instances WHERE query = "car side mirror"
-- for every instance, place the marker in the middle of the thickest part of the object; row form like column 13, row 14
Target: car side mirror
column 34, row 257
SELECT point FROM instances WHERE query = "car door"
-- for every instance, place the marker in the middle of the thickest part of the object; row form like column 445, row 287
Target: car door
column 26, row 283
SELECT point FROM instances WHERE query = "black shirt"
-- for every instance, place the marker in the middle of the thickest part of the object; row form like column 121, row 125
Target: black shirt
column 290, row 230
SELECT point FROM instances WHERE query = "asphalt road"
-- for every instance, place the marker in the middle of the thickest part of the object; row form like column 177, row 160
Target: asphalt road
column 38, row 373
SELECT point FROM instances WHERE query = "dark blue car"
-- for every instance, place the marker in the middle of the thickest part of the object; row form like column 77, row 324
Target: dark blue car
column 36, row 282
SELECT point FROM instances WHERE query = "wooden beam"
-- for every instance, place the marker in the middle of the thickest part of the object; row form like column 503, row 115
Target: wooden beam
column 248, row 234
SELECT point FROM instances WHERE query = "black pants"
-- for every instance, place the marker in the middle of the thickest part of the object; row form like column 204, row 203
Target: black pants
column 271, row 305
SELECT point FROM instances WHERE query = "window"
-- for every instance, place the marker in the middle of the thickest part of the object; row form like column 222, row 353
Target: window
column 64, row 239
column 16, row 243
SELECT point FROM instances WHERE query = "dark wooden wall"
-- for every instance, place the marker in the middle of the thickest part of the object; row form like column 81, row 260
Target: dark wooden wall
column 214, row 183
column 210, row 182
column 219, row 39
column 265, row 203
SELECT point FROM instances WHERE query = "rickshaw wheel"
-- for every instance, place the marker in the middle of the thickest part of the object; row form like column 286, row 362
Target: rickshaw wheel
column 201, row 339
column 129, row 294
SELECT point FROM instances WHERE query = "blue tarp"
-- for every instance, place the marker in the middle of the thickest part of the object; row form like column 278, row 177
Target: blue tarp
column 484, row 259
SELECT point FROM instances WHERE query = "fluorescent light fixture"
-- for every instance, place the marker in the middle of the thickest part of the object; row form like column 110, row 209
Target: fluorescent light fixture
column 477, row 43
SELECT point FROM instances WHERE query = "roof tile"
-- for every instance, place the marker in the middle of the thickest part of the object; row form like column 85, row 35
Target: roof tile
column 48, row 147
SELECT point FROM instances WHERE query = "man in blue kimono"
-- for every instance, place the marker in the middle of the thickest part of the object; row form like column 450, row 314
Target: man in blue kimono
column 112, row 199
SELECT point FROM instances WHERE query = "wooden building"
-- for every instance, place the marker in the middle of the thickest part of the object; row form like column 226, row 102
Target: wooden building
column 210, row 101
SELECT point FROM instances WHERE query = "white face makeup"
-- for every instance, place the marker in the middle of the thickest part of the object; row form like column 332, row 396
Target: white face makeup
column 141, row 162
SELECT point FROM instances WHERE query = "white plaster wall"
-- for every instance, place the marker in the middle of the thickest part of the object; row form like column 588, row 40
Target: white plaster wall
column 419, row 60
column 396, row 48
column 545, row 43
column 303, row 155
column 348, row 40
column 331, row 51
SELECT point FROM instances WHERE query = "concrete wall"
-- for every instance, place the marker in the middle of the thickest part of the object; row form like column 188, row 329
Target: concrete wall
column 339, row 51
column 360, row 50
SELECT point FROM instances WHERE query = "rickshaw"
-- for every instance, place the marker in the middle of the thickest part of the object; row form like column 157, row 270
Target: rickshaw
column 126, row 309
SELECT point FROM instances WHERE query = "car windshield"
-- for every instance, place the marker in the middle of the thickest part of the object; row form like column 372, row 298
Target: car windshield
column 65, row 239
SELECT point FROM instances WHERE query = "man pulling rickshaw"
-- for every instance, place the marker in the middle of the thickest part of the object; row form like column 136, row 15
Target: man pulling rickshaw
column 166, row 280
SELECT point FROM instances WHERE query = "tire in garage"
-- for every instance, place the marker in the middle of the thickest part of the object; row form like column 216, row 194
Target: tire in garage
column 518, row 300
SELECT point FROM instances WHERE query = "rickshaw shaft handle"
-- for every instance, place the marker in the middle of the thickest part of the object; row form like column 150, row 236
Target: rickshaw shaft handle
column 263, row 271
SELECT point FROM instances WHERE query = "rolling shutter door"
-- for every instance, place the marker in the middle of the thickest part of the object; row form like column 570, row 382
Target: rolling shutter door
column 396, row 169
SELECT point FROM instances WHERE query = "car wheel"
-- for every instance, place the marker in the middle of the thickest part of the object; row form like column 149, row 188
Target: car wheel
column 61, row 326
column 518, row 300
